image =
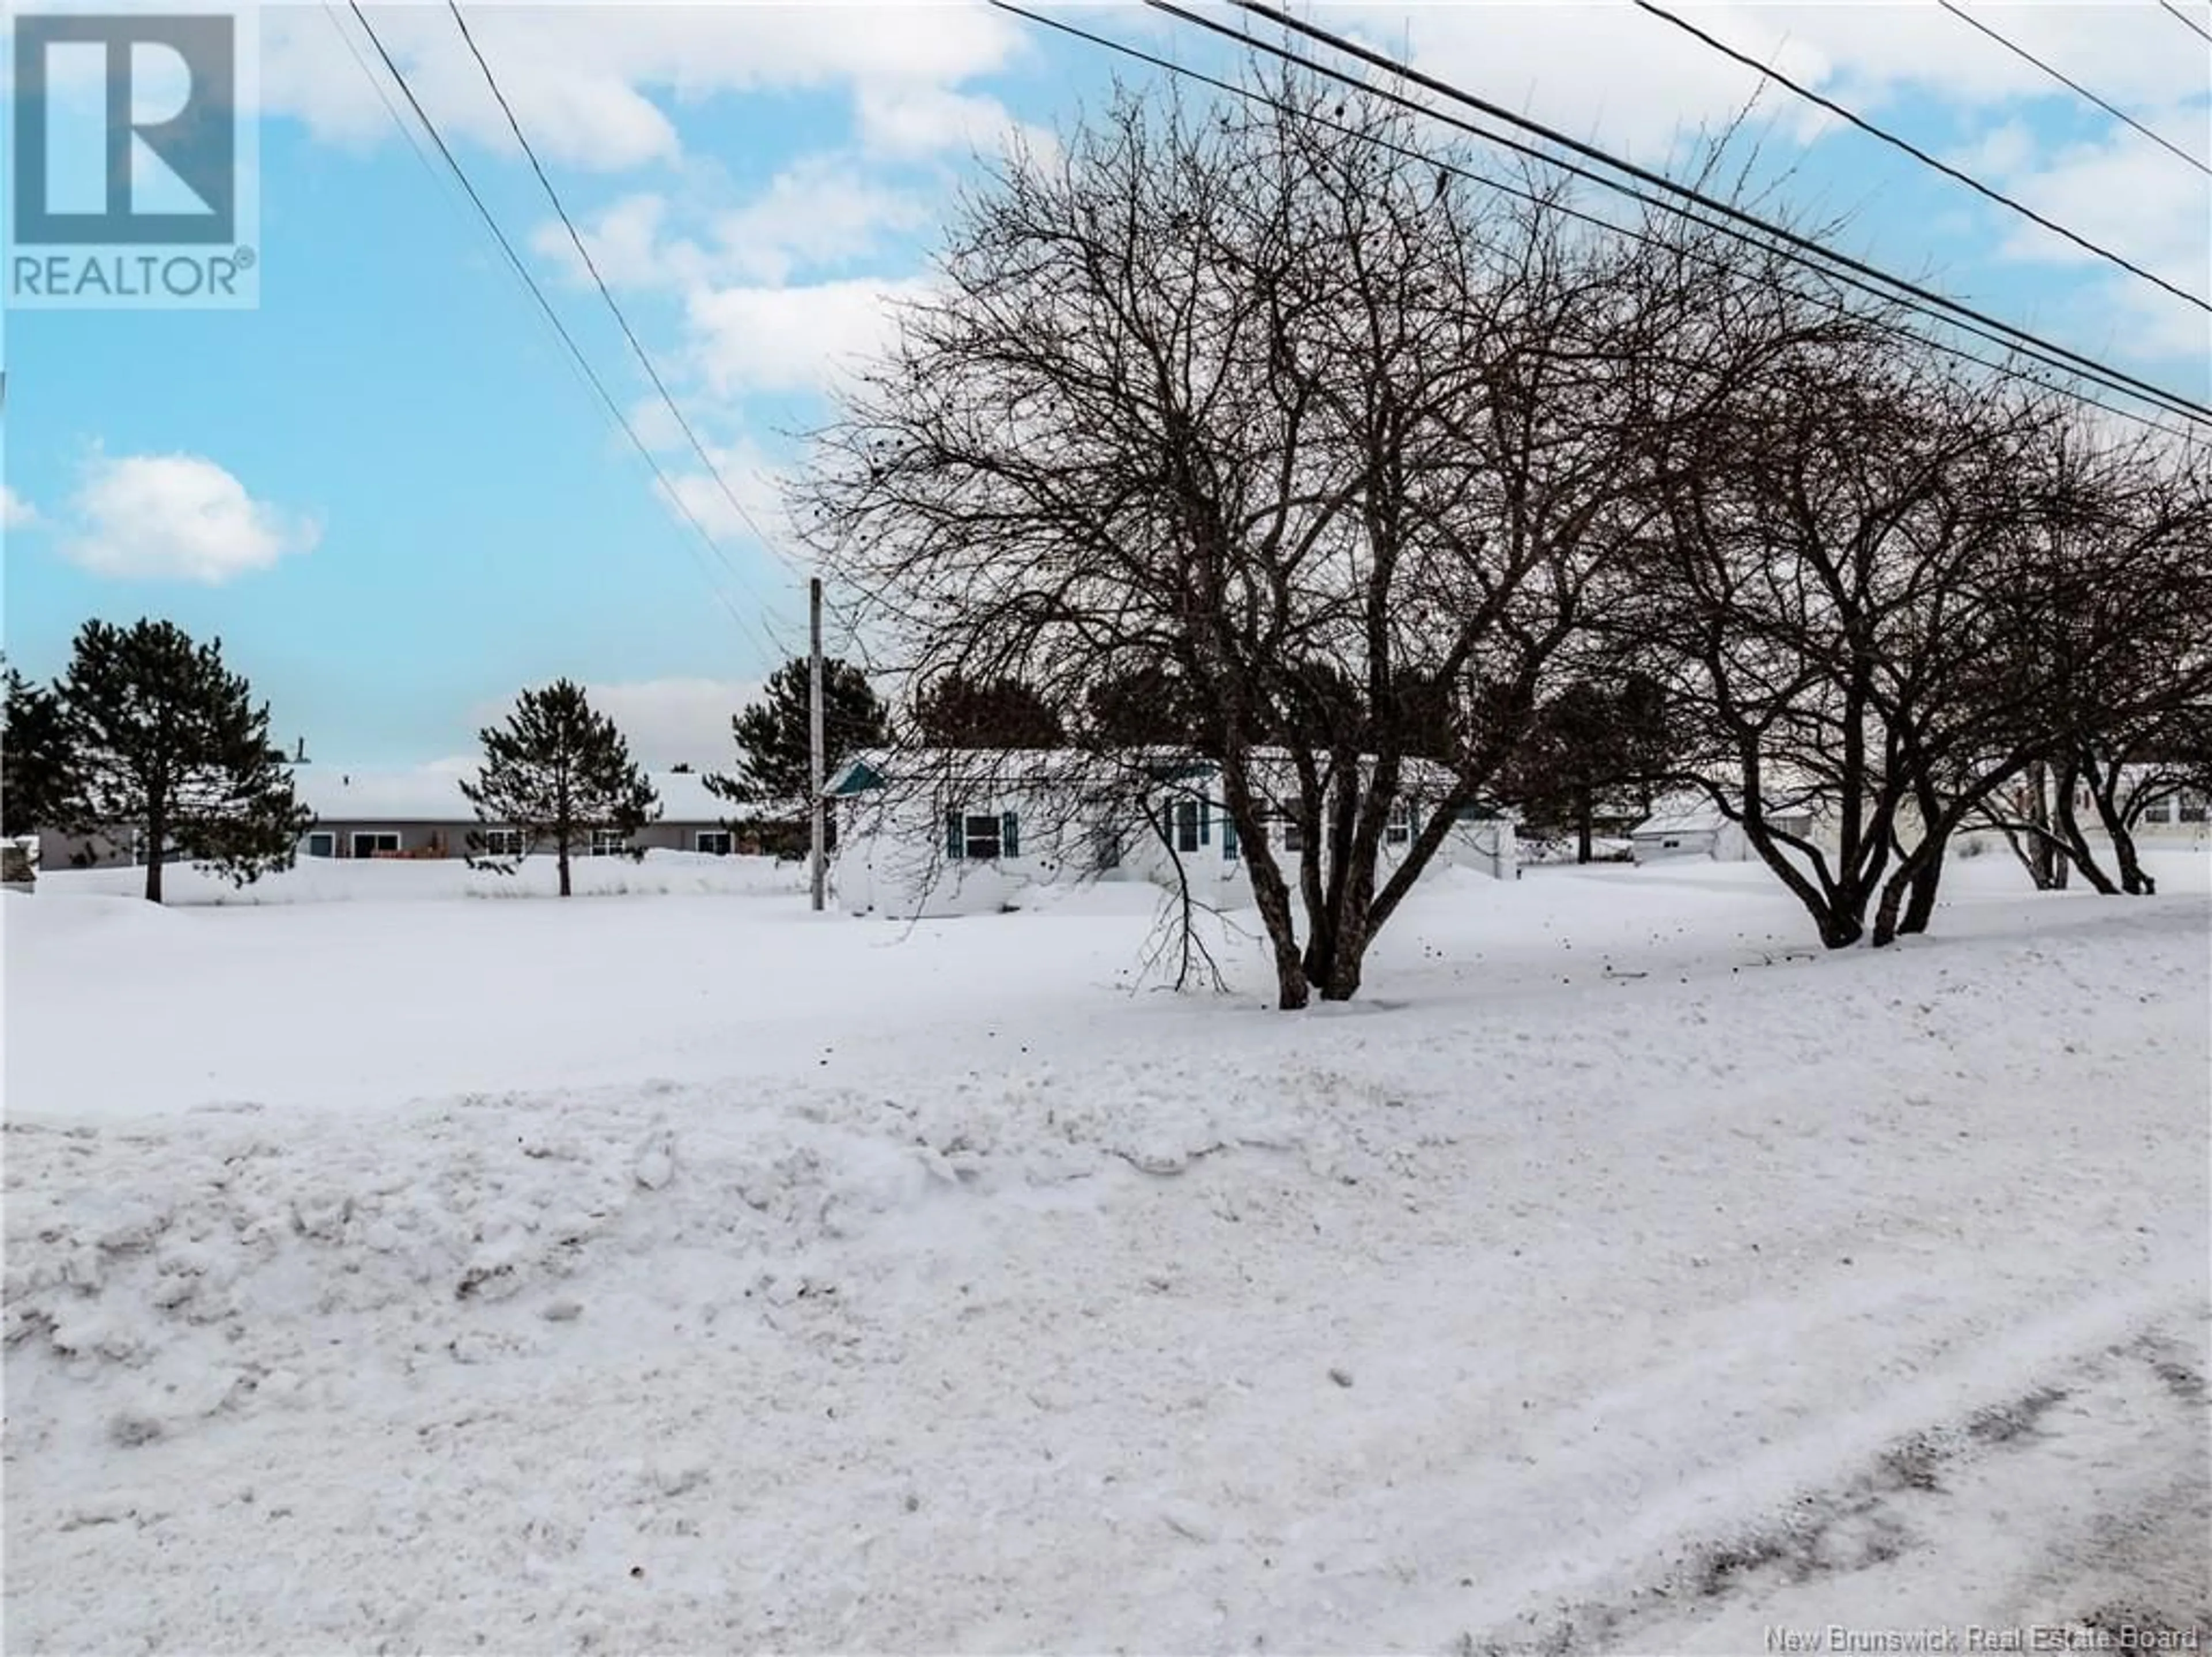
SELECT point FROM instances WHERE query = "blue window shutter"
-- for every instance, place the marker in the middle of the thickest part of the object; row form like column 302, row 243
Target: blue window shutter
column 1229, row 846
column 1205, row 822
column 955, row 843
column 1009, row 835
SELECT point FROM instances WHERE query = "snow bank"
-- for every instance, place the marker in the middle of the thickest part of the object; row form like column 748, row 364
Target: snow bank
column 1519, row 1302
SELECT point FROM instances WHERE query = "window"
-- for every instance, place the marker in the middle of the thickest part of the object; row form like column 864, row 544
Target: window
column 1294, row 838
column 716, row 842
column 2191, row 806
column 379, row 843
column 610, row 843
column 323, row 842
column 1398, row 827
column 977, row 837
column 1106, row 849
column 2159, row 810
column 1231, row 851
column 502, row 843
column 1187, row 820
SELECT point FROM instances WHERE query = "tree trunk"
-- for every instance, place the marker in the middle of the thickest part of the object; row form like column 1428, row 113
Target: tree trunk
column 2034, row 854
column 1271, row 894
column 1841, row 924
column 1344, row 984
column 1893, row 899
column 157, row 830
column 2135, row 881
column 562, row 858
column 2077, row 843
column 1582, row 812
column 1292, row 989
column 1920, row 907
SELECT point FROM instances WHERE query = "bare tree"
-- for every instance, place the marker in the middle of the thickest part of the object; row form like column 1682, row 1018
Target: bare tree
column 2119, row 539
column 1325, row 437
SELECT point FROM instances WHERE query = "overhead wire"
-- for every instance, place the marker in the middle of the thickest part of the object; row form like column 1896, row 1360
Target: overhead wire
column 2186, row 20
column 1552, row 204
column 560, row 328
column 1758, row 231
column 584, row 252
column 2072, row 85
column 2096, row 249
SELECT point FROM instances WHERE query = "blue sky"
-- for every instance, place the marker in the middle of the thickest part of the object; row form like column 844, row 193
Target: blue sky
column 390, row 492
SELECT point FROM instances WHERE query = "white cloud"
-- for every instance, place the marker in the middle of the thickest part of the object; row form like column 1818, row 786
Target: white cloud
column 626, row 244
column 656, row 426
column 796, row 338
column 666, row 722
column 820, row 211
column 584, row 79
column 906, row 119
column 177, row 517
column 742, row 479
column 15, row 512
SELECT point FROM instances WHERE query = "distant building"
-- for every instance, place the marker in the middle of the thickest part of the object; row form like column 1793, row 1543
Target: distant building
column 941, row 832
column 1691, row 825
column 422, row 815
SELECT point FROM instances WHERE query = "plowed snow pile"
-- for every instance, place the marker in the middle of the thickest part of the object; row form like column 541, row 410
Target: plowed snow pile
column 1714, row 1288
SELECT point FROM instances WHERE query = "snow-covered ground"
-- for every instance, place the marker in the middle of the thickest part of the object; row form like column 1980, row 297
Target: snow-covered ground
column 677, row 1270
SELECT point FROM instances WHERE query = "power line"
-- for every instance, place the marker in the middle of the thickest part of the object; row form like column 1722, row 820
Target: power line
column 406, row 130
column 1551, row 205
column 584, row 252
column 544, row 305
column 1831, row 262
column 2185, row 20
column 2075, row 86
column 377, row 86
column 1921, row 155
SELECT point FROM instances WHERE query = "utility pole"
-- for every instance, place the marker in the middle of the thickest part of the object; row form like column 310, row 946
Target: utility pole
column 817, row 764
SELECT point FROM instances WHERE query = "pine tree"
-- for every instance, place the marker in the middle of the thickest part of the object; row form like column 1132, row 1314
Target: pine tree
column 167, row 740
column 1146, row 707
column 958, row 712
column 557, row 771
column 1592, row 740
column 35, row 759
column 773, row 776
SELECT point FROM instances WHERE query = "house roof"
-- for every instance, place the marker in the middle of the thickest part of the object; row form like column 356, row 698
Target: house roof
column 432, row 793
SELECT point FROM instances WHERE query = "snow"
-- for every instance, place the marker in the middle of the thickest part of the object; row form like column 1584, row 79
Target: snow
column 678, row 1270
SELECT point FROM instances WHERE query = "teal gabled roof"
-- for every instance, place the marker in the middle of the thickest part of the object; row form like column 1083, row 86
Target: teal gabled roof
column 856, row 776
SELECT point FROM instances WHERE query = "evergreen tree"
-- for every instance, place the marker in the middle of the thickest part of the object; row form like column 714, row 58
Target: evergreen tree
column 35, row 759
column 959, row 712
column 1146, row 707
column 774, row 778
column 167, row 740
column 557, row 771
column 1589, row 740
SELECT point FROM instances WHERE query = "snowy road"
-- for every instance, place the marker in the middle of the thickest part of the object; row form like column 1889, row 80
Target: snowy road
column 1640, row 1313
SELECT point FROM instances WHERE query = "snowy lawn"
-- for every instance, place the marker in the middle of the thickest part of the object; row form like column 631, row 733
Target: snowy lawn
column 681, row 1270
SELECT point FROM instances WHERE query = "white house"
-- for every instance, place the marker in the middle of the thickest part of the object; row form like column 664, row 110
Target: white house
column 2178, row 816
column 1691, row 825
column 939, row 832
